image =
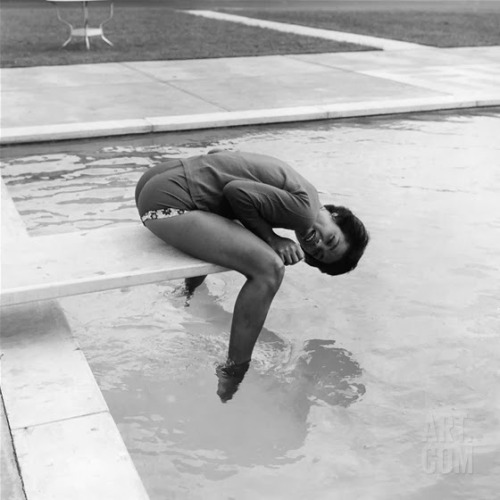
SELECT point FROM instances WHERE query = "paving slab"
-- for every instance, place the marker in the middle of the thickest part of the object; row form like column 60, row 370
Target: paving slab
column 450, row 71
column 411, row 59
column 477, row 80
column 92, row 103
column 277, row 91
column 33, row 337
column 69, row 76
column 78, row 459
column 225, row 67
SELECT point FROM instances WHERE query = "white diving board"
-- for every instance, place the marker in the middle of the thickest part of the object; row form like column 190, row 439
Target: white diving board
column 49, row 267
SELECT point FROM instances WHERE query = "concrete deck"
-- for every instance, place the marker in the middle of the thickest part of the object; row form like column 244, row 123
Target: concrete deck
column 71, row 102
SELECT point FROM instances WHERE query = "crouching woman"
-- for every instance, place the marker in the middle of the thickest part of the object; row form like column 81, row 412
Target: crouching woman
column 193, row 204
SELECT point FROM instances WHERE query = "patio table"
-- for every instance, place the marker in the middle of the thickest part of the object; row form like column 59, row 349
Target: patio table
column 85, row 32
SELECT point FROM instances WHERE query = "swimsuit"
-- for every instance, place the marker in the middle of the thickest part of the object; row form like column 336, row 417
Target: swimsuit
column 243, row 186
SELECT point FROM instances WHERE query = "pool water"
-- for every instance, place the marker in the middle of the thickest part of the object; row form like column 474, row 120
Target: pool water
column 382, row 384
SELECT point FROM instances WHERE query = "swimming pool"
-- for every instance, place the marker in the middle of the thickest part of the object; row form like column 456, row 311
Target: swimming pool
column 380, row 384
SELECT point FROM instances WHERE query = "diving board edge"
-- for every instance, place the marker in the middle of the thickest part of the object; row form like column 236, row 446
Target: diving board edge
column 57, row 290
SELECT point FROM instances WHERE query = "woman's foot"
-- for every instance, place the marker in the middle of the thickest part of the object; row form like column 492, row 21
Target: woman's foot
column 230, row 376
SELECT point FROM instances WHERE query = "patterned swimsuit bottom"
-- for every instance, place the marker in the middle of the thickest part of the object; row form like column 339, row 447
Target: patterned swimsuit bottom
column 163, row 213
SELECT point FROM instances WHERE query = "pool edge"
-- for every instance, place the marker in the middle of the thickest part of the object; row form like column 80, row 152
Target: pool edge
column 88, row 130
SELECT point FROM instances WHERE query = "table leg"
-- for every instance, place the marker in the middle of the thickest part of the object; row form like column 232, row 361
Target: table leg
column 86, row 24
column 65, row 22
column 104, row 22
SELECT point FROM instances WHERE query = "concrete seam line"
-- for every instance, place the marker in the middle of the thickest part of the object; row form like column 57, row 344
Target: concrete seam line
column 194, row 94
column 65, row 419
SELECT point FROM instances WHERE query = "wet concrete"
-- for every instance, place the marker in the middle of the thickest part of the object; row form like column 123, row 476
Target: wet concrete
column 381, row 384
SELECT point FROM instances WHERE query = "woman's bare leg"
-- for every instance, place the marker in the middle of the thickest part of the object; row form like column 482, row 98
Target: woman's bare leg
column 218, row 240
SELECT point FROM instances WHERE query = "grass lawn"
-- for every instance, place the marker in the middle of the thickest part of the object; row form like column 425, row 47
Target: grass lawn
column 31, row 35
column 445, row 24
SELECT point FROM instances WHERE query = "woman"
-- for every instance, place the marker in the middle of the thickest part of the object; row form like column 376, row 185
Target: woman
column 192, row 204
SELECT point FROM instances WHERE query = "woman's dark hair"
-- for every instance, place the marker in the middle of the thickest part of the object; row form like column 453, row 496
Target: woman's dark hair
column 357, row 238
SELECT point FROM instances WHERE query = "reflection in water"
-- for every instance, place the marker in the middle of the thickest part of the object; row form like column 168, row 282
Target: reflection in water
column 326, row 373
column 416, row 324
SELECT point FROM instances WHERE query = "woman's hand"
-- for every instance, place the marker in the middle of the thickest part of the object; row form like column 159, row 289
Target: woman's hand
column 289, row 251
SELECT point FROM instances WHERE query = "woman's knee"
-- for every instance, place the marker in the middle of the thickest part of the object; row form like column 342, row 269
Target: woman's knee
column 270, row 272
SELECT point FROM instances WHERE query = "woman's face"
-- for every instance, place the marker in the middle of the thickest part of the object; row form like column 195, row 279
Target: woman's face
column 325, row 241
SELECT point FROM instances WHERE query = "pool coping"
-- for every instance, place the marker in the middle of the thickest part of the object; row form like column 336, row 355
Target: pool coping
column 147, row 125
